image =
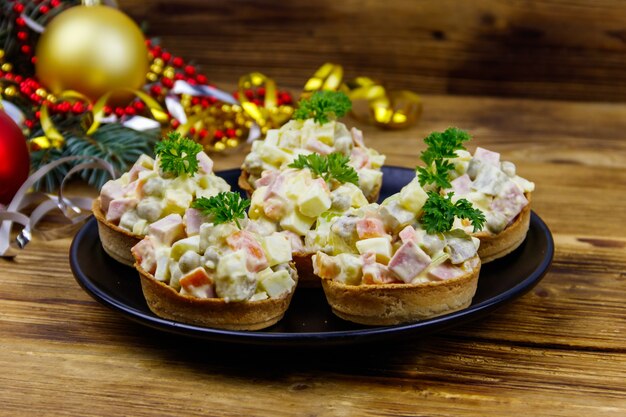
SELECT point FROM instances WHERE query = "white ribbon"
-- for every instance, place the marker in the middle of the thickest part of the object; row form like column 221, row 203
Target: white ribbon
column 75, row 209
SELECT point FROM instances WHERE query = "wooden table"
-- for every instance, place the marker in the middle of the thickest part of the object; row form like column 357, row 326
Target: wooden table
column 559, row 350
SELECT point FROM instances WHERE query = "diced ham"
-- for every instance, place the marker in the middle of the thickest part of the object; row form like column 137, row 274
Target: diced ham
column 276, row 187
column 204, row 162
column 168, row 229
column 489, row 157
column 510, row 201
column 255, row 257
column 267, row 178
column 370, row 227
column 274, row 208
column 133, row 188
column 408, row 261
column 319, row 147
column 192, row 220
column 143, row 253
column 445, row 271
column 357, row 137
column 133, row 174
column 359, row 158
column 408, row 234
column 374, row 272
column 118, row 207
column 197, row 283
column 110, row 191
column 325, row 266
column 297, row 246
column 319, row 182
column 461, row 185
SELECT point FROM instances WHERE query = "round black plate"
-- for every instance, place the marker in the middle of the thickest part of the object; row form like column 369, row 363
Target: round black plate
column 309, row 321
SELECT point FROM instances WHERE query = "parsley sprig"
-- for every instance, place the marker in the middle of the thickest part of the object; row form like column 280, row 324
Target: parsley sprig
column 178, row 154
column 441, row 146
column 440, row 211
column 322, row 106
column 331, row 167
column 227, row 206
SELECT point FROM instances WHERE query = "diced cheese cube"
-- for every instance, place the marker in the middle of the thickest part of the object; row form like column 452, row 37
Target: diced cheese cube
column 273, row 155
column 181, row 246
column 128, row 220
column 140, row 227
column 277, row 284
column 145, row 161
column 260, row 296
column 297, row 223
column 377, row 160
column 176, row 201
column 162, row 254
column 271, row 137
column 256, row 203
column 351, row 269
column 381, row 246
column 314, row 201
column 413, row 197
column 369, row 180
column 289, row 139
column 277, row 248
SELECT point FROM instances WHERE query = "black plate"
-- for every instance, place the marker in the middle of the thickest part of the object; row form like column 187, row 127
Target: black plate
column 309, row 321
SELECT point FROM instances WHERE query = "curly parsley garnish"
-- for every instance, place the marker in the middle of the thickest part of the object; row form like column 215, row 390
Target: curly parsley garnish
column 440, row 211
column 441, row 146
column 178, row 154
column 322, row 106
column 331, row 167
column 224, row 207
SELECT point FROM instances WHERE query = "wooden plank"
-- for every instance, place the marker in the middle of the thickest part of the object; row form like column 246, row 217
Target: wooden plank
column 572, row 49
column 559, row 350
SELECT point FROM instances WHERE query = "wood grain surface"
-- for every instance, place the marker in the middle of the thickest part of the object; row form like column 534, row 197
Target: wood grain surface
column 560, row 350
column 558, row 49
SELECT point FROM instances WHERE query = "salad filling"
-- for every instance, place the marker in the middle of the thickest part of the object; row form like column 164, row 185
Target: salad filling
column 315, row 134
column 217, row 260
column 388, row 244
column 490, row 185
column 297, row 204
column 154, row 189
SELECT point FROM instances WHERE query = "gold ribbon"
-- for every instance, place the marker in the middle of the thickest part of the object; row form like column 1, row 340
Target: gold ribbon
column 52, row 138
column 371, row 102
column 269, row 115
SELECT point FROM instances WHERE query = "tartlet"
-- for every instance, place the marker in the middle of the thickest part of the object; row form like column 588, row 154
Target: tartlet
column 295, row 203
column 388, row 270
column 281, row 146
column 503, row 196
column 222, row 277
column 127, row 206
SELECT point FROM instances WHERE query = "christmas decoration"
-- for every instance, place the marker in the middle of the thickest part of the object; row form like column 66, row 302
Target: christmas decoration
column 371, row 103
column 14, row 158
column 93, row 50
column 70, row 100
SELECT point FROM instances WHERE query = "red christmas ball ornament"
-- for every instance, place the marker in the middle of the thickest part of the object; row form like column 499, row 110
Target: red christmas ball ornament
column 14, row 158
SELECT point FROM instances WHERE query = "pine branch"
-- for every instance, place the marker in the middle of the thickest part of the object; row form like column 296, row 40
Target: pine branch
column 114, row 143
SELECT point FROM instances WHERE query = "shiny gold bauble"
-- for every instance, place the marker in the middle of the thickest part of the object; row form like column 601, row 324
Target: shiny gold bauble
column 93, row 50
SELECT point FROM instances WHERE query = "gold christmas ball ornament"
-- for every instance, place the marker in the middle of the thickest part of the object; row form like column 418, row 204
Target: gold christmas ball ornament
column 93, row 50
